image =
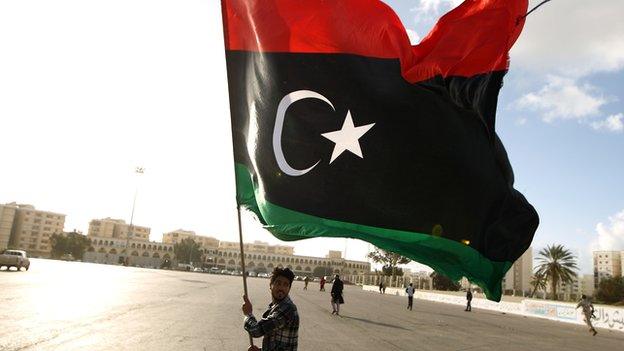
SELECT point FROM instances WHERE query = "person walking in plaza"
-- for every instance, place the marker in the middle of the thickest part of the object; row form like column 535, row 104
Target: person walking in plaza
column 381, row 287
column 280, row 322
column 322, row 284
column 468, row 300
column 588, row 312
column 336, row 295
column 306, row 280
column 410, row 296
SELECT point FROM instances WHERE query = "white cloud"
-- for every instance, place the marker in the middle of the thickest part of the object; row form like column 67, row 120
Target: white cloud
column 612, row 123
column 611, row 235
column 563, row 98
column 430, row 10
column 573, row 38
column 521, row 121
column 413, row 36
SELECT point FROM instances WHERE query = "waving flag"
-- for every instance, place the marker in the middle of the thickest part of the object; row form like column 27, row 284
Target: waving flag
column 342, row 128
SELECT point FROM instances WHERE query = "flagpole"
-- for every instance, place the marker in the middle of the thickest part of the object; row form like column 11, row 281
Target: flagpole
column 238, row 212
column 242, row 250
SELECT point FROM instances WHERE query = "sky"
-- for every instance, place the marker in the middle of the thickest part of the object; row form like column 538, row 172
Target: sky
column 89, row 90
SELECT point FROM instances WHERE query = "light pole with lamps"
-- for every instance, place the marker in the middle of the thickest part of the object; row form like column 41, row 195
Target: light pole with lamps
column 138, row 171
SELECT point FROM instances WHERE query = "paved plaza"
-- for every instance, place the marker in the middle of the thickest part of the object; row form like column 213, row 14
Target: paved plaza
column 82, row 306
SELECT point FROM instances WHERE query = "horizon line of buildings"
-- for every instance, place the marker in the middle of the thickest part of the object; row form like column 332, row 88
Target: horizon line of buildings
column 24, row 227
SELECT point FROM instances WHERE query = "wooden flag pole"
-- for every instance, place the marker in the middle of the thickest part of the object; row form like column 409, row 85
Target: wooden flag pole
column 242, row 256
column 238, row 212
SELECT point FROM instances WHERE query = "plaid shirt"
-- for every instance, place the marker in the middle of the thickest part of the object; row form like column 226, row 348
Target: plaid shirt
column 279, row 326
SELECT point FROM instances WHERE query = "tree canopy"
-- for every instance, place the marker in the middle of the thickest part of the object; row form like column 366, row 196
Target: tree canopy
column 187, row 251
column 390, row 261
column 538, row 282
column 72, row 243
column 611, row 290
column 442, row 282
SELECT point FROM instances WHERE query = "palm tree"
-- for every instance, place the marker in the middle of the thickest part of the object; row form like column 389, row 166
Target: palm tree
column 538, row 282
column 556, row 263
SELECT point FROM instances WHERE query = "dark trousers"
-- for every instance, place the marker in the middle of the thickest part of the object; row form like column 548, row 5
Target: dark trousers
column 410, row 302
column 468, row 307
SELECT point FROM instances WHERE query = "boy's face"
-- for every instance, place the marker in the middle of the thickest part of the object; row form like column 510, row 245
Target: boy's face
column 280, row 288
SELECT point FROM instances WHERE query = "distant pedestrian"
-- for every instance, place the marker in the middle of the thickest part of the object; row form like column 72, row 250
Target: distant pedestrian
column 410, row 296
column 588, row 312
column 383, row 289
column 468, row 300
column 280, row 322
column 306, row 280
column 322, row 284
column 336, row 295
column 381, row 286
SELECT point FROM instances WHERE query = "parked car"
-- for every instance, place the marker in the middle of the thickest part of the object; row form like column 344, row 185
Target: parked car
column 166, row 264
column 14, row 258
column 67, row 257
column 185, row 267
column 252, row 274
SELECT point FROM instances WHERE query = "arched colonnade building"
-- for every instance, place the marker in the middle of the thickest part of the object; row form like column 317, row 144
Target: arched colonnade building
column 230, row 259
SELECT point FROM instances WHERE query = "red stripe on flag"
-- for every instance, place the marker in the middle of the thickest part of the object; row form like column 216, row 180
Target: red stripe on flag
column 474, row 38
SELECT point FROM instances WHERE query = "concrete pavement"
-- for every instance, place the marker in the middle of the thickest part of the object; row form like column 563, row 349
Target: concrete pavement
column 82, row 306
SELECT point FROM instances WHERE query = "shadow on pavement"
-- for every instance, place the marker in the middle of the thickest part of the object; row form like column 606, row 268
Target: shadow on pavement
column 376, row 323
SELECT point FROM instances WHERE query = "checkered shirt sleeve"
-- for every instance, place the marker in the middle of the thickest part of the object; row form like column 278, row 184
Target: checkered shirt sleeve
column 279, row 326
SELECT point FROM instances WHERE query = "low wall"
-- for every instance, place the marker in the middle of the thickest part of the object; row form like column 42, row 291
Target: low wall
column 606, row 316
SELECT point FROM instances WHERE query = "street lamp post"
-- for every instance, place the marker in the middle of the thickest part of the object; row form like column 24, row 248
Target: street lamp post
column 138, row 171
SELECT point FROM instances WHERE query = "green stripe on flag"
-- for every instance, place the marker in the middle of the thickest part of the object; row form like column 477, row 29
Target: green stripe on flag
column 448, row 257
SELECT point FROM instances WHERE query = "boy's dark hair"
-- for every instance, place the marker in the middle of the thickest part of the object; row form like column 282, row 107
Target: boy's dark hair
column 283, row 272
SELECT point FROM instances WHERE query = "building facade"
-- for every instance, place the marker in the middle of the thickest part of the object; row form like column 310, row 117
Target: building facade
column 32, row 228
column 587, row 284
column 111, row 228
column 262, row 258
column 7, row 216
column 141, row 253
column 517, row 280
column 177, row 236
column 259, row 247
column 607, row 264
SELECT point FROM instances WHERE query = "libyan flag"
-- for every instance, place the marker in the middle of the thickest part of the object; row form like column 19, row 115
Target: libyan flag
column 342, row 128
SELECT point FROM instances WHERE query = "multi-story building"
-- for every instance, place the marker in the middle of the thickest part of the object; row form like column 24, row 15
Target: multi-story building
column 587, row 284
column 32, row 229
column 111, row 228
column 607, row 264
column 177, row 236
column 7, row 215
column 258, row 246
column 518, row 277
column 571, row 289
column 261, row 257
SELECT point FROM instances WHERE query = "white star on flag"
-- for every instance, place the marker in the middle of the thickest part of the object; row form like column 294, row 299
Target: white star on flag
column 347, row 138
